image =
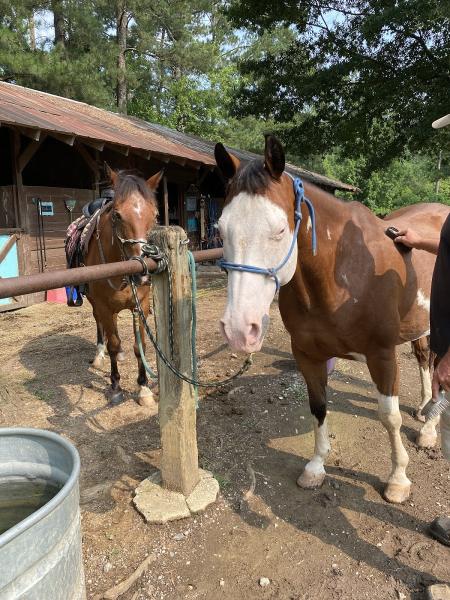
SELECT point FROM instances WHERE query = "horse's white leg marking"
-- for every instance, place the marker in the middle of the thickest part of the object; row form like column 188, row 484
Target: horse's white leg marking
column 422, row 300
column 426, row 393
column 427, row 436
column 99, row 355
column 398, row 485
column 314, row 473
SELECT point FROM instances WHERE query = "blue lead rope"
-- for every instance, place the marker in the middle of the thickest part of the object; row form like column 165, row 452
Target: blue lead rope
column 272, row 272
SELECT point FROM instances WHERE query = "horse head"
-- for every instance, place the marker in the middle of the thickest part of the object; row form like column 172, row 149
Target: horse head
column 257, row 228
column 134, row 212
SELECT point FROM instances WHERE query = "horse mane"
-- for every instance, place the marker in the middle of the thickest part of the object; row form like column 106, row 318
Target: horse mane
column 252, row 178
column 129, row 182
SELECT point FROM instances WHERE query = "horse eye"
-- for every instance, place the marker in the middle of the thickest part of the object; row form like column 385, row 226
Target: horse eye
column 117, row 216
column 280, row 233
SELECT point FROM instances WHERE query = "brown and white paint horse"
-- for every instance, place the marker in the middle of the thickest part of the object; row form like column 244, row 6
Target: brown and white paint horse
column 122, row 229
column 357, row 299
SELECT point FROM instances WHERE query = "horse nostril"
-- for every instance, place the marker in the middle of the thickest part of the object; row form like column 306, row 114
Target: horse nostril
column 254, row 332
column 222, row 329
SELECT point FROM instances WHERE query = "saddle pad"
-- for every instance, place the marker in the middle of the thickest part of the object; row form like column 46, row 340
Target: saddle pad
column 78, row 236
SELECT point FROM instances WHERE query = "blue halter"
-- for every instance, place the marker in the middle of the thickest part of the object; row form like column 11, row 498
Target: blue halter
column 272, row 272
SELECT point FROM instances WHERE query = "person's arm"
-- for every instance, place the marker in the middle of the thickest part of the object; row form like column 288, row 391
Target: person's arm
column 412, row 239
column 441, row 375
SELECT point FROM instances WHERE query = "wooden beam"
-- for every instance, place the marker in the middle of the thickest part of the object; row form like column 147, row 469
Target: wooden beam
column 92, row 164
column 96, row 144
column 7, row 247
column 66, row 138
column 125, row 150
column 24, row 158
column 166, row 201
column 34, row 134
column 142, row 153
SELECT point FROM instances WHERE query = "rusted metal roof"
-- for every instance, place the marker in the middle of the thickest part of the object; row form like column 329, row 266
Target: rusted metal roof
column 207, row 147
column 37, row 110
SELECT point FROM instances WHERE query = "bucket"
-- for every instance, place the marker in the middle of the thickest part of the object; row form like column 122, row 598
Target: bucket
column 57, row 296
column 40, row 554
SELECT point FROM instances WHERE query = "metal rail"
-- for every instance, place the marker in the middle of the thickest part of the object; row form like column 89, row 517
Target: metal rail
column 28, row 284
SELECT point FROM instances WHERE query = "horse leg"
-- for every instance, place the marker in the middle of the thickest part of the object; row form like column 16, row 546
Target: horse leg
column 383, row 369
column 315, row 374
column 145, row 397
column 113, row 344
column 427, row 436
column 101, row 347
column 422, row 353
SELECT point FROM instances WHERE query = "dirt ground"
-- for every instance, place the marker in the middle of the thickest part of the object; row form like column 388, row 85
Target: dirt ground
column 342, row 541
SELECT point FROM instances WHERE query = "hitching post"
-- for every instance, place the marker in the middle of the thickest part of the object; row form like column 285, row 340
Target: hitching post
column 177, row 416
column 181, row 488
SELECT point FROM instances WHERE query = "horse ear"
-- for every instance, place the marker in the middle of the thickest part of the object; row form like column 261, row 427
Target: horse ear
column 112, row 175
column 227, row 163
column 274, row 159
column 154, row 181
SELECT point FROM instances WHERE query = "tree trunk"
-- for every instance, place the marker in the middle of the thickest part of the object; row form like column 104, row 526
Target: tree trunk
column 58, row 22
column 32, row 29
column 122, row 30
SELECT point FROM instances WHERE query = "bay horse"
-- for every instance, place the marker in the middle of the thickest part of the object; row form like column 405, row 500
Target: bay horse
column 358, row 298
column 122, row 229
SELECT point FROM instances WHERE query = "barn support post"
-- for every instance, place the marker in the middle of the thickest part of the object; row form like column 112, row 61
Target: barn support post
column 166, row 201
column 180, row 488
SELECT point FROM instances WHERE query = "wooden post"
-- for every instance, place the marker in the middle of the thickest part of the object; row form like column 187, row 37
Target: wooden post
column 166, row 201
column 177, row 413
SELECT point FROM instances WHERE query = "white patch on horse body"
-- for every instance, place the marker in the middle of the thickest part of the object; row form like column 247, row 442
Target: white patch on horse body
column 357, row 356
column 345, row 279
column 355, row 300
column 422, row 300
column 328, row 234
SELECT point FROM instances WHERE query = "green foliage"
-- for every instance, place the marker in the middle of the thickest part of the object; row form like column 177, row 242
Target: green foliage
column 350, row 86
column 405, row 181
column 368, row 75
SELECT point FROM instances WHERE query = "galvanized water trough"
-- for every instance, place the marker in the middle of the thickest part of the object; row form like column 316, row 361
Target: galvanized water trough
column 40, row 556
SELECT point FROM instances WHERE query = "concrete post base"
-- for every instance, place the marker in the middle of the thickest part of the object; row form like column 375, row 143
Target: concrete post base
column 158, row 505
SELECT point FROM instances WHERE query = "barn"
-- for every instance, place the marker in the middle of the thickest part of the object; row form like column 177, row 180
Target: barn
column 53, row 153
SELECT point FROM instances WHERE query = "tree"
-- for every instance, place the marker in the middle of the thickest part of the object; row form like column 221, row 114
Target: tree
column 367, row 75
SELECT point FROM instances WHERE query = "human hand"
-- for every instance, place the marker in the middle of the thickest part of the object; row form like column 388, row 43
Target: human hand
column 409, row 238
column 441, row 375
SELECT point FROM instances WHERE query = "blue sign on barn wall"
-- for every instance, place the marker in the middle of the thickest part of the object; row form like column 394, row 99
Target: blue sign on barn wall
column 9, row 267
column 46, row 208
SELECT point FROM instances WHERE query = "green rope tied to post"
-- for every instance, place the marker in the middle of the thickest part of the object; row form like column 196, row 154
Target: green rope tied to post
column 193, row 272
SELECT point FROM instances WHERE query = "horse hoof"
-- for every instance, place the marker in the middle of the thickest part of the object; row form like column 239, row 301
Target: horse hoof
column 310, row 481
column 396, row 493
column 145, row 397
column 121, row 357
column 116, row 398
column 426, row 440
column 97, row 363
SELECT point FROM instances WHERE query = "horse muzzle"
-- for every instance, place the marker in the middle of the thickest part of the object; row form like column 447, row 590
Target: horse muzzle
column 247, row 336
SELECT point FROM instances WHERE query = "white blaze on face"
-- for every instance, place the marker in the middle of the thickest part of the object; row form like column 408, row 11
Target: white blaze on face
column 255, row 232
